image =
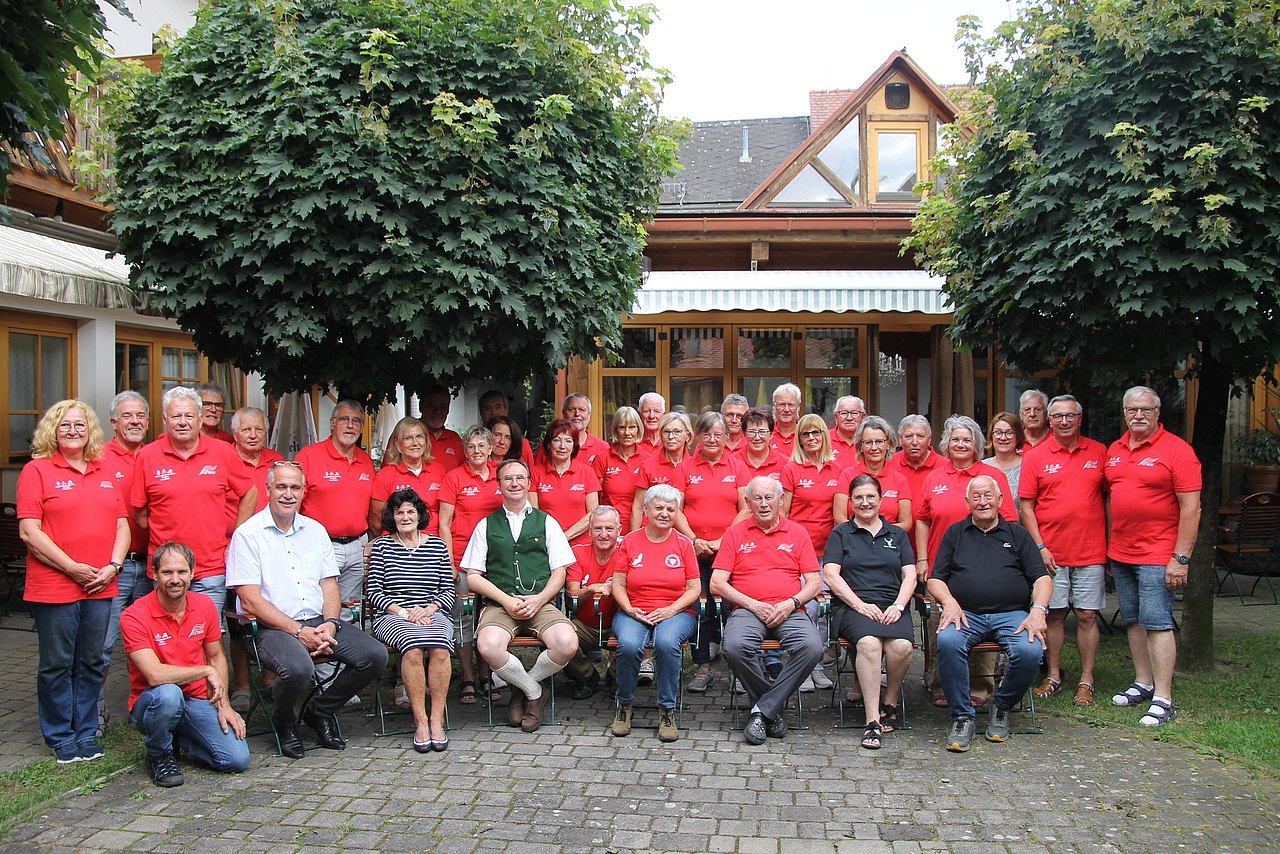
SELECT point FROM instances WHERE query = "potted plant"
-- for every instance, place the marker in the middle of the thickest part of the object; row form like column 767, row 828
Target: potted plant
column 1259, row 450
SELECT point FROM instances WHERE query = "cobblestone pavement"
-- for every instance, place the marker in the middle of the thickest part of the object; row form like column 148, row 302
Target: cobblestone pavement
column 571, row 787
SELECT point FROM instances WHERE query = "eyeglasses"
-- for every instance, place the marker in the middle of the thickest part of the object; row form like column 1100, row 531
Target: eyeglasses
column 810, row 434
column 416, row 437
column 73, row 427
column 756, row 434
column 277, row 463
column 1064, row 416
column 786, row 406
column 671, row 434
column 714, row 437
column 355, row 420
column 874, row 443
column 514, row 478
column 1003, row 434
column 849, row 413
column 1141, row 410
column 214, row 404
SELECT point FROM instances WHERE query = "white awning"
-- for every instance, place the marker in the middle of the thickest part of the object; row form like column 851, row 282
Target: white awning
column 792, row 290
column 33, row 265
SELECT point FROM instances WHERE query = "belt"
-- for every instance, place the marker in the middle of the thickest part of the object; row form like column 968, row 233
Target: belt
column 137, row 557
column 342, row 541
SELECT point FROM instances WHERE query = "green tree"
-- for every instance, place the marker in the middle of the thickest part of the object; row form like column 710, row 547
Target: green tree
column 41, row 43
column 1113, row 209
column 373, row 192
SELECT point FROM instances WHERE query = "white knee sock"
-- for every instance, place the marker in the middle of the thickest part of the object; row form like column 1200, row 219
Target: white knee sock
column 544, row 668
column 513, row 671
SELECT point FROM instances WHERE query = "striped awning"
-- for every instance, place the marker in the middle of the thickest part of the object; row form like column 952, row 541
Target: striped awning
column 34, row 265
column 792, row 290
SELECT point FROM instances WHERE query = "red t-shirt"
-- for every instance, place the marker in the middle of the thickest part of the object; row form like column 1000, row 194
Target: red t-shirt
column 618, row 479
column 648, row 448
column 147, row 625
column 893, row 488
column 812, row 493
column 590, row 448
column 656, row 573
column 120, row 461
column 771, row 467
column 563, row 497
column 258, row 476
column 183, row 497
column 585, row 570
column 846, row 452
column 767, row 565
column 941, row 503
column 783, row 444
column 338, row 491
column 656, row 469
column 446, row 449
column 1144, row 483
column 915, row 477
column 1068, row 489
column 710, row 493
column 426, row 483
column 473, row 498
column 80, row 513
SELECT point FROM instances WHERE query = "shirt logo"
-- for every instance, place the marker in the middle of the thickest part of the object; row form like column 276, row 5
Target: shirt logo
column 638, row 560
column 891, row 494
column 804, row 483
column 746, row 547
column 940, row 488
column 1113, row 461
column 469, row 491
column 695, row 479
column 164, row 475
column 545, row 487
column 64, row 485
column 578, row 487
column 786, row 547
column 196, row 630
column 1090, row 464
column 365, row 476
column 162, row 638
column 1052, row 468
column 333, row 476
column 831, row 482
column 730, row 478
column 106, row 484
column 208, row 470
column 1007, row 545
column 610, row 471
column 1149, row 462
column 890, row 544
column 119, row 475
column 673, row 561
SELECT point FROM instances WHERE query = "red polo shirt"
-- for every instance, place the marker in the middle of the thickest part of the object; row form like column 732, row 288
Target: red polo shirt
column 812, row 493
column 183, row 497
column 783, row 444
column 1144, row 482
column 710, row 493
column 563, row 496
column 618, row 479
column 473, row 498
column 426, row 483
column 120, row 461
column 771, row 467
column 846, row 452
column 767, row 565
column 1068, row 489
column 79, row 512
column 940, row 501
column 893, row 488
column 257, row 474
column 657, row 469
column 590, row 448
column 338, row 491
column 585, row 570
column 915, row 477
column 147, row 625
column 221, row 435
column 446, row 449
column 657, row 573
column 650, row 448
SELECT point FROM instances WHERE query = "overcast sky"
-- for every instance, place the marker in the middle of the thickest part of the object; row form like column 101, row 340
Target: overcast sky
column 739, row 59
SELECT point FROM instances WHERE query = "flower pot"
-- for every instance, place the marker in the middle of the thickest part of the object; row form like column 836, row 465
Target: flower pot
column 1259, row 478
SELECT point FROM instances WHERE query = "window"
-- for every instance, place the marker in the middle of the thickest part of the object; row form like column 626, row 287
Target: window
column 898, row 163
column 833, row 178
column 40, row 354
column 151, row 363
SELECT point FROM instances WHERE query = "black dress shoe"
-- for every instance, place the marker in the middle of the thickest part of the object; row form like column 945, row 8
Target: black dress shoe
column 757, row 729
column 326, row 727
column 290, row 743
column 584, row 689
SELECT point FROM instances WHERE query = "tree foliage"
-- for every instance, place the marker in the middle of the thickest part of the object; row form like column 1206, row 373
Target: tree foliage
column 374, row 192
column 1113, row 203
column 41, row 42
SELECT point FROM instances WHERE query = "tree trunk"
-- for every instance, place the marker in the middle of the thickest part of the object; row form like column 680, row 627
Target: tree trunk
column 1195, row 652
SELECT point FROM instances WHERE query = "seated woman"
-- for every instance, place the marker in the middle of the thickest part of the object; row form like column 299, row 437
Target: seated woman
column 411, row 594
column 870, row 568
column 655, row 584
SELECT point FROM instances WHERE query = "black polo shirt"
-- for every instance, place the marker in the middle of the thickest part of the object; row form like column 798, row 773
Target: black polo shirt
column 870, row 565
column 989, row 572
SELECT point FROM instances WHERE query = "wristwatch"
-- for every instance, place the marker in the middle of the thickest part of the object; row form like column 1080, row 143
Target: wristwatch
column 119, row 567
column 1182, row 559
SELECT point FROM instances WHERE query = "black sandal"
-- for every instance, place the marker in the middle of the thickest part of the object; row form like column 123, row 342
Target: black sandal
column 467, row 694
column 888, row 717
column 871, row 736
column 495, row 694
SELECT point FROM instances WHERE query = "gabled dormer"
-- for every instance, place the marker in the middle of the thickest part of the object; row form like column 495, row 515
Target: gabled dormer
column 870, row 153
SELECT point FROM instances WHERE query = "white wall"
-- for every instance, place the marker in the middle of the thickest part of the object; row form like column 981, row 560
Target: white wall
column 133, row 38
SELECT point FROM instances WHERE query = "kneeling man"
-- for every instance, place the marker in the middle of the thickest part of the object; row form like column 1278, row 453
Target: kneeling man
column 987, row 574
column 178, row 674
column 767, row 571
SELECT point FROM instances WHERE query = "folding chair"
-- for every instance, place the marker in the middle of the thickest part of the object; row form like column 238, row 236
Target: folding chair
column 388, row 675
column 1028, row 703
column 520, row 641
column 1255, row 547
column 13, row 556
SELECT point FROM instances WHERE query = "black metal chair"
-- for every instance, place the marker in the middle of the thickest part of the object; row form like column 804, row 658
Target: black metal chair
column 1254, row 549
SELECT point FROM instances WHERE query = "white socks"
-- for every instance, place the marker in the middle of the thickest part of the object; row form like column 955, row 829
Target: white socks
column 544, row 668
column 514, row 673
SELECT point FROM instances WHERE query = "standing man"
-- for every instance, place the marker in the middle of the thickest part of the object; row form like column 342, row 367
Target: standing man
column 767, row 571
column 339, row 476
column 178, row 675
column 577, row 411
column 249, row 433
column 214, row 404
column 1064, row 511
column 734, row 409
column 591, row 575
column 992, row 586
column 652, row 407
column 1033, row 407
column 1154, row 481
column 182, row 486
column 130, row 419
column 515, row 563
column 918, row 459
column 786, row 417
column 848, row 414
column 281, row 564
column 446, row 445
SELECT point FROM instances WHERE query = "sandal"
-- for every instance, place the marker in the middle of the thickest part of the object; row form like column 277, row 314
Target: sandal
column 888, row 717
column 1084, row 694
column 495, row 693
column 1048, row 687
column 467, row 694
column 854, row 695
column 402, row 696
column 978, row 702
column 940, row 701
column 1159, row 714
column 871, row 736
column 1134, row 695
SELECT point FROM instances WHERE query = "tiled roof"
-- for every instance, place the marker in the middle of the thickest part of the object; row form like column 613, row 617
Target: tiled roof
column 824, row 102
column 715, row 176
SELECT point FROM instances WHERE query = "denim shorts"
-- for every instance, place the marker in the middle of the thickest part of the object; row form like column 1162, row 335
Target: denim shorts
column 1144, row 596
column 1085, row 587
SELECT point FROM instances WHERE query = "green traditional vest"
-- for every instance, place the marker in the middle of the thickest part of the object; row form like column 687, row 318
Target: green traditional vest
column 518, row 567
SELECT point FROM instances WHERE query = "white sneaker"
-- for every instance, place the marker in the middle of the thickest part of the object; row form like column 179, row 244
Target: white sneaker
column 820, row 679
column 646, row 672
column 807, row 687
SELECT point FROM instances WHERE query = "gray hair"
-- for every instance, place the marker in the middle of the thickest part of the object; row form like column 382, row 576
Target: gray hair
column 854, row 398
column 271, row 471
column 663, row 492
column 708, row 420
column 973, row 482
column 247, row 410
column 1066, row 398
column 735, row 400
column 602, row 509
column 348, row 403
column 679, row 417
column 652, row 394
column 623, row 416
column 956, row 422
column 478, row 431
column 789, row 389
column 875, row 422
column 180, row 392
column 1137, row 391
column 564, row 407
column 915, row 421
column 1033, row 392
column 757, row 484
column 128, row 394
column 213, row 387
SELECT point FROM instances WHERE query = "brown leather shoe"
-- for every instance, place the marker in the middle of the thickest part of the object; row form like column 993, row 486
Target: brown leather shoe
column 516, row 708
column 1084, row 694
column 533, row 710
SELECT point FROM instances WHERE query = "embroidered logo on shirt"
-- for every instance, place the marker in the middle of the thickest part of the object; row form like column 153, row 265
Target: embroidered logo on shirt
column 163, row 475
column 208, row 470
column 162, row 638
column 469, row 491
column 786, row 547
column 673, row 561
column 196, row 630
column 610, row 471
column 365, row 476
column 1113, row 461
column 545, row 487
column 747, row 547
column 730, row 478
column 578, row 487
column 1007, row 545
column 804, row 483
column 638, row 560
column 1149, row 461
column 891, row 494
column 1052, row 468
column 64, row 485
column 695, row 478
column 890, row 544
column 1090, row 464
column 332, row 476
column 106, row 484
column 940, row 488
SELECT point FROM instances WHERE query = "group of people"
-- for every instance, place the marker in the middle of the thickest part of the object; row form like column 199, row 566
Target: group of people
column 718, row 534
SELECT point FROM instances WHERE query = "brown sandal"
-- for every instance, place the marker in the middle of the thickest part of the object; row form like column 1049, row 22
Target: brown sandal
column 1084, row 694
column 1048, row 687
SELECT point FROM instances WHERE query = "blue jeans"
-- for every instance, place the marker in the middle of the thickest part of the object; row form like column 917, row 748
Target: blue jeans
column 668, row 636
column 954, row 643
column 1144, row 595
column 134, row 584
column 163, row 712
column 69, row 675
column 215, row 587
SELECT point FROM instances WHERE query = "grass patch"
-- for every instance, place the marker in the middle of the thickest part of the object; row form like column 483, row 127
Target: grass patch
column 27, row 788
column 1234, row 710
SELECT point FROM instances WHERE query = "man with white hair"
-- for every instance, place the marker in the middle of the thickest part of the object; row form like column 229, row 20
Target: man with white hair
column 918, row 460
column 787, row 402
column 577, row 411
column 734, row 409
column 848, row 414
column 1033, row 409
column 652, row 406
